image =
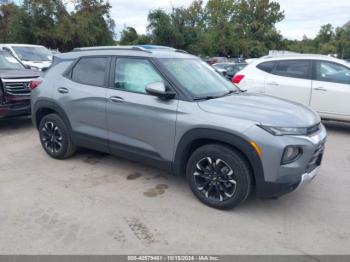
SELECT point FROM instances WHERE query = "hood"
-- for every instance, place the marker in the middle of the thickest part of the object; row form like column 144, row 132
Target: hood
column 266, row 110
column 19, row 73
column 39, row 64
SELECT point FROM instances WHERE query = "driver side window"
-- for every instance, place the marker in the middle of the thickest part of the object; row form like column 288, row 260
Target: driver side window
column 134, row 74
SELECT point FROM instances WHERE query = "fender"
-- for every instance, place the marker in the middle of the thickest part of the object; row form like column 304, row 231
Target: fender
column 43, row 104
column 184, row 149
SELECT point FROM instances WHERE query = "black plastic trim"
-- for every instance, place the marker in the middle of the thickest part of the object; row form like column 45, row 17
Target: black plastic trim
column 263, row 189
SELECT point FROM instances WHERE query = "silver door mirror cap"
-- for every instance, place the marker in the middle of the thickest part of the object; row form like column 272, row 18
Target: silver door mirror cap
column 160, row 90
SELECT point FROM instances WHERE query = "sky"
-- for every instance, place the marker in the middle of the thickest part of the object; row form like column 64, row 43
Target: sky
column 302, row 17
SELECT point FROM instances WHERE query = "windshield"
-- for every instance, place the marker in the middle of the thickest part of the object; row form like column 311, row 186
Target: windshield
column 33, row 53
column 8, row 62
column 222, row 66
column 197, row 77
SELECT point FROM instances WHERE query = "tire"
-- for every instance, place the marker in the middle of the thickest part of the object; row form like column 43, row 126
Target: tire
column 219, row 176
column 55, row 137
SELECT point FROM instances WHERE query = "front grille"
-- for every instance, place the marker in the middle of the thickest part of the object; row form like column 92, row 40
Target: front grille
column 17, row 88
column 316, row 157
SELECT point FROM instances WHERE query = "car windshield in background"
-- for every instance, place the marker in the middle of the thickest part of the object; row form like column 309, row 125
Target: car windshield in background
column 222, row 66
column 8, row 62
column 33, row 53
column 196, row 76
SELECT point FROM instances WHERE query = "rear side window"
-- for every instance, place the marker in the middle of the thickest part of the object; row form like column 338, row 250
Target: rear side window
column 293, row 68
column 266, row 66
column 90, row 71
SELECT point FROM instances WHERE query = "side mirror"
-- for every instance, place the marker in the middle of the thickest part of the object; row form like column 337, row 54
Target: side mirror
column 160, row 90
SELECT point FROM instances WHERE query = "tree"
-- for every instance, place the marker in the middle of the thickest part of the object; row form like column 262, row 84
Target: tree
column 128, row 36
column 7, row 13
column 342, row 41
column 326, row 34
column 162, row 30
column 49, row 23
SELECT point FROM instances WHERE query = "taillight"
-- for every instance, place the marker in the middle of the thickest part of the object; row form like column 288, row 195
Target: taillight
column 237, row 79
column 34, row 84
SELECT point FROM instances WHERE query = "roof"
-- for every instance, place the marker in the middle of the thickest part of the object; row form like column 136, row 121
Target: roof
column 7, row 44
column 137, row 51
column 301, row 57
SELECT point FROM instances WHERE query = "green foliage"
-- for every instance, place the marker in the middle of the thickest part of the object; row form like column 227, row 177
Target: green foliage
column 49, row 23
column 221, row 27
column 211, row 28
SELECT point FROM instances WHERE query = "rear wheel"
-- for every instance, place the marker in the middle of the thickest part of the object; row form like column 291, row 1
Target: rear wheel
column 219, row 176
column 55, row 137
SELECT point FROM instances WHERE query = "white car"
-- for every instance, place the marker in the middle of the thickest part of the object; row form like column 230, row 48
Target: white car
column 321, row 82
column 33, row 56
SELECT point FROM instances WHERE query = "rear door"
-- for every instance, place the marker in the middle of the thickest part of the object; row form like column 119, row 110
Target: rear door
column 82, row 95
column 139, row 124
column 331, row 90
column 291, row 80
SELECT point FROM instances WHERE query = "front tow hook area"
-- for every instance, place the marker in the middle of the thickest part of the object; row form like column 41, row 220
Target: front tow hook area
column 307, row 178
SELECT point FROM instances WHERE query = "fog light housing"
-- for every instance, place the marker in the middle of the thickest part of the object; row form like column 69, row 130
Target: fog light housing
column 290, row 154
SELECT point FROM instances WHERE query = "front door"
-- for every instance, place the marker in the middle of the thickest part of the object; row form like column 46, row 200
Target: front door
column 138, row 122
column 331, row 90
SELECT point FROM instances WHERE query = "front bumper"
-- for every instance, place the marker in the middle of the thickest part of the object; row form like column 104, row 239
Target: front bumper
column 281, row 179
column 307, row 177
column 15, row 109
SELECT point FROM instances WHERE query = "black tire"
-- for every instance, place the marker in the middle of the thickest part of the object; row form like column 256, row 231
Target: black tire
column 55, row 137
column 228, row 189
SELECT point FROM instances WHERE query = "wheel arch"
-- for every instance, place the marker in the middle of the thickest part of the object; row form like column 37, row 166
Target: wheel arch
column 45, row 107
column 195, row 138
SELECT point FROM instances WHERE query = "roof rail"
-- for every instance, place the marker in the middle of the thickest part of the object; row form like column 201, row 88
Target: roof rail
column 97, row 48
column 181, row 51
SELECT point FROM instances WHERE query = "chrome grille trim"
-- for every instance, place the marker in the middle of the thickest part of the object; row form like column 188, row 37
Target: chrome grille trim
column 17, row 86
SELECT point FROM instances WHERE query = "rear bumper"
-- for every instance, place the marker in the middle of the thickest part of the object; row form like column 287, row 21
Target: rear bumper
column 15, row 109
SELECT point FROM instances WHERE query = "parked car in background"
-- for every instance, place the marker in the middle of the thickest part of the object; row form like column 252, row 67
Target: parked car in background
column 180, row 115
column 217, row 59
column 229, row 69
column 14, row 86
column 222, row 67
column 33, row 56
column 233, row 69
column 321, row 82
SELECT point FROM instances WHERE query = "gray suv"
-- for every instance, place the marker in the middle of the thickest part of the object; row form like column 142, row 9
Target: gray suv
column 169, row 109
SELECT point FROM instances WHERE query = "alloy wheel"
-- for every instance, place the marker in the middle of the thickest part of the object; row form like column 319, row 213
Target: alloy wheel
column 52, row 137
column 214, row 179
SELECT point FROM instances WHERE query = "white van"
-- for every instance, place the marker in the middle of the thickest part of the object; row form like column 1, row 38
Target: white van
column 33, row 56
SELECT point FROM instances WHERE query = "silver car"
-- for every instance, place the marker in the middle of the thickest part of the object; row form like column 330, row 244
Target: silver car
column 171, row 110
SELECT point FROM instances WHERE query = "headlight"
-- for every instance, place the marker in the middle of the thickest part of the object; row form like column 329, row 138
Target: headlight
column 281, row 131
column 290, row 154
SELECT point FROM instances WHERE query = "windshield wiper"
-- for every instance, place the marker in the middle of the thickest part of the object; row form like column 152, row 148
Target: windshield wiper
column 205, row 98
column 238, row 91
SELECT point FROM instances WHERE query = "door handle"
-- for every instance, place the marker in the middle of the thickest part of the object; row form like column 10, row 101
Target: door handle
column 273, row 84
column 63, row 90
column 116, row 99
column 321, row 89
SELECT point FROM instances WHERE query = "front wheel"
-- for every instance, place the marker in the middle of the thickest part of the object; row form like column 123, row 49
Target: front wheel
column 55, row 137
column 219, row 176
